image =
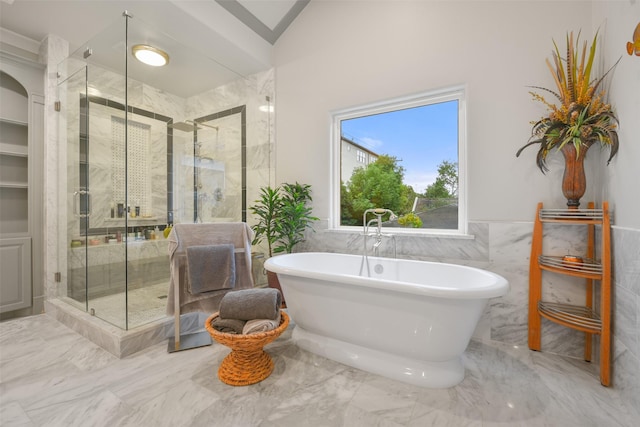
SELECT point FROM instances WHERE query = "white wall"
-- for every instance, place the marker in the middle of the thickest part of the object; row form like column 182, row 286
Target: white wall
column 341, row 54
column 617, row 21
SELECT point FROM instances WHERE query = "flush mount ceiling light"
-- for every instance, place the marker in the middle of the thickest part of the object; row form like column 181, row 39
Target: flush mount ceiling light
column 150, row 55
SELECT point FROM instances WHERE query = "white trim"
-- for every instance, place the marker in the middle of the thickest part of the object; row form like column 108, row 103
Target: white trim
column 405, row 232
column 435, row 96
column 408, row 101
column 619, row 227
column 463, row 193
column 18, row 40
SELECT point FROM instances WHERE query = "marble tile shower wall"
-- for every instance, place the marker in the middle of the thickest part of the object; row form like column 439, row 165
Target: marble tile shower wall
column 250, row 92
column 256, row 93
column 504, row 248
column 141, row 96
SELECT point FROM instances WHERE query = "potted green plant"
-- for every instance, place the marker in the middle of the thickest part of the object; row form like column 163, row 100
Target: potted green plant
column 267, row 209
column 283, row 216
column 294, row 217
column 580, row 119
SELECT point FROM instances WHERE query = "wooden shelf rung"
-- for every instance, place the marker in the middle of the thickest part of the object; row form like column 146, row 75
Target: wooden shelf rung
column 582, row 318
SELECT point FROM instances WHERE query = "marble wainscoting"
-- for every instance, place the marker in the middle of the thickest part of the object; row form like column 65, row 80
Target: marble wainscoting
column 626, row 315
column 501, row 247
column 510, row 246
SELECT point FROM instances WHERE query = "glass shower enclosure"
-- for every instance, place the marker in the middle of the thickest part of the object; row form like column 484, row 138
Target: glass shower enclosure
column 145, row 147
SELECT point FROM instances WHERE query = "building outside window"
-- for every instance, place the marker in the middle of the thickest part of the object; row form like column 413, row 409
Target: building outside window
column 353, row 156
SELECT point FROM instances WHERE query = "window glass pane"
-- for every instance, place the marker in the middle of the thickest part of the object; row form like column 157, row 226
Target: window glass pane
column 404, row 158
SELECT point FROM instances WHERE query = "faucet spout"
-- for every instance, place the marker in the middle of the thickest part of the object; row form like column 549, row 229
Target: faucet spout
column 378, row 213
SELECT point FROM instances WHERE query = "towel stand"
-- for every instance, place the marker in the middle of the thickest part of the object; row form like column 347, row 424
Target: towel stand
column 191, row 340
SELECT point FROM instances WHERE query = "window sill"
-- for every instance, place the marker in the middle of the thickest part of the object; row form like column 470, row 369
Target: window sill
column 402, row 232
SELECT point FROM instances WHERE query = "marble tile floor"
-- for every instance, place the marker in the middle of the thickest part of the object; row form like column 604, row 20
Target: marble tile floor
column 51, row 376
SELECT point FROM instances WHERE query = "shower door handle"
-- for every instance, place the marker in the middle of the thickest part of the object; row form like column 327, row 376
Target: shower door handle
column 77, row 205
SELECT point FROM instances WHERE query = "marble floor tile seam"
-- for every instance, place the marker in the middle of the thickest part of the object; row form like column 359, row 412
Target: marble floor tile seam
column 58, row 403
column 101, row 408
column 138, row 374
column 12, row 414
column 67, row 412
column 191, row 398
column 134, row 391
column 62, row 393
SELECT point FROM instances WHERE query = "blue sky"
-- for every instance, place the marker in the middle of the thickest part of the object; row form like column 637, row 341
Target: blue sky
column 421, row 138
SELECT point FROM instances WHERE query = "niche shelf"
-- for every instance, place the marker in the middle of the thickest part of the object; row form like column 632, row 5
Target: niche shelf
column 588, row 318
column 14, row 177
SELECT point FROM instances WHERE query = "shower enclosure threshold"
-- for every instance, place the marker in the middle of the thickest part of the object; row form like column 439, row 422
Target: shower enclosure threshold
column 119, row 342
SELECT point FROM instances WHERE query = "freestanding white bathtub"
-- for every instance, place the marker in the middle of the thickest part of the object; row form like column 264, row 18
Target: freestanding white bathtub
column 410, row 321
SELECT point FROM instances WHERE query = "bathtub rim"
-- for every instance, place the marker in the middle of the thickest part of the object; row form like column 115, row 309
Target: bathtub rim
column 498, row 288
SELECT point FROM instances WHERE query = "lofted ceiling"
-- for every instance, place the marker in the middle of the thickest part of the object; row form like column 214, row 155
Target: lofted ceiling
column 267, row 18
column 231, row 37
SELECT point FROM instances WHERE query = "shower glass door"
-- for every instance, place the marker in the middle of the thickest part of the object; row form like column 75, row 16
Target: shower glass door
column 73, row 208
column 93, row 100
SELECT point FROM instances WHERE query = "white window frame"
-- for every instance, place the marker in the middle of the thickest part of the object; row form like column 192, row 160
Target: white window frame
column 425, row 98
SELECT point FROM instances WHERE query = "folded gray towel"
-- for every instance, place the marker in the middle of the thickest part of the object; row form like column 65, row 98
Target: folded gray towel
column 260, row 325
column 249, row 304
column 228, row 326
column 211, row 268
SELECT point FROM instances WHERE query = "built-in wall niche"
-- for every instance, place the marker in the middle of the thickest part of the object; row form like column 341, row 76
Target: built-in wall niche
column 132, row 184
column 125, row 167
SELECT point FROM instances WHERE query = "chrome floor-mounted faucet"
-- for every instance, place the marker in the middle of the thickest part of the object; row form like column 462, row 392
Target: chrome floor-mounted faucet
column 378, row 213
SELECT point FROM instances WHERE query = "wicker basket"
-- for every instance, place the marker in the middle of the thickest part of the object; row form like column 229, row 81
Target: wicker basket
column 247, row 363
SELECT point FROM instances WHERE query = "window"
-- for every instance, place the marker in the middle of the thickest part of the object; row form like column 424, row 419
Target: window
column 410, row 159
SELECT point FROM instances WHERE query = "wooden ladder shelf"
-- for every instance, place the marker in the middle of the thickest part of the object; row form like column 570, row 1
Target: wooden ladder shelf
column 582, row 318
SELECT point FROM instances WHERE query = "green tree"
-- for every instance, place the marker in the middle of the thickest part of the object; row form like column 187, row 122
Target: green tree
column 410, row 196
column 437, row 190
column 379, row 185
column 346, row 203
column 446, row 184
